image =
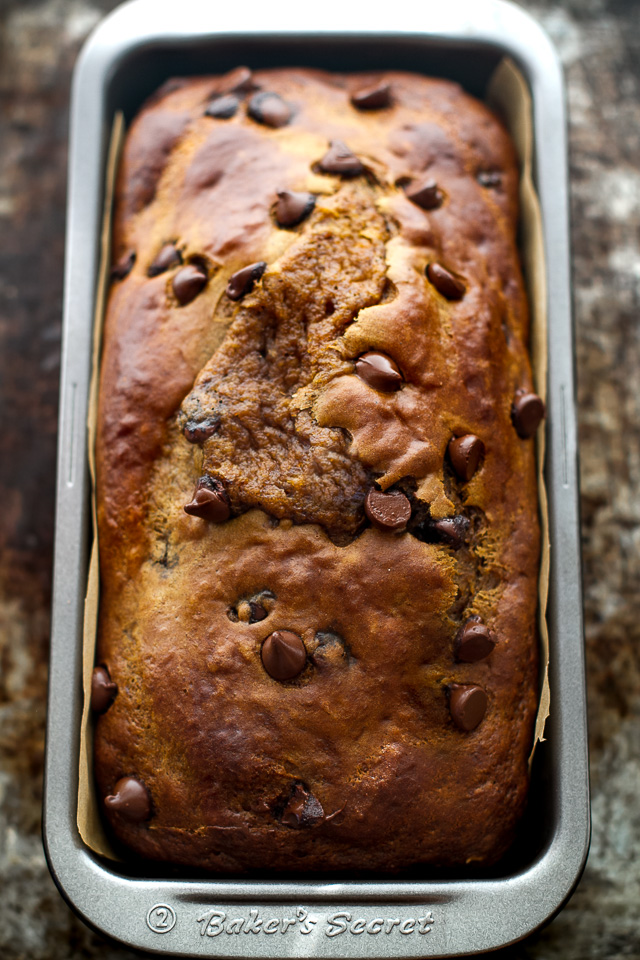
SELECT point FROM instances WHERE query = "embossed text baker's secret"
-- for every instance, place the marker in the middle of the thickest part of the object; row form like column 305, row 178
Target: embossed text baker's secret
column 214, row 922
column 345, row 922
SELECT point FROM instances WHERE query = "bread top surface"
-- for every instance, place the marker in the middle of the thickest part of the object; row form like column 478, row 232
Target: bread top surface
column 297, row 439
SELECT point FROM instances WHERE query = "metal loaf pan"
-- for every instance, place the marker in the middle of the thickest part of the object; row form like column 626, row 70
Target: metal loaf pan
column 426, row 913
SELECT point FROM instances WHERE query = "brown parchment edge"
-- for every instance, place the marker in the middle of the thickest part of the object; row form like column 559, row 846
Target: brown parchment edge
column 89, row 821
column 508, row 94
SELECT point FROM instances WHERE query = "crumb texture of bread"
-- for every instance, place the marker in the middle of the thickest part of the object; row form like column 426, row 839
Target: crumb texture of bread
column 316, row 340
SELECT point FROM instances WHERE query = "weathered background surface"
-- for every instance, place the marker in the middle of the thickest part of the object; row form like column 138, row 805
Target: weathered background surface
column 599, row 41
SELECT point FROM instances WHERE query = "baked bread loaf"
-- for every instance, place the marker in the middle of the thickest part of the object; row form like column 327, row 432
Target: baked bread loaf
column 323, row 657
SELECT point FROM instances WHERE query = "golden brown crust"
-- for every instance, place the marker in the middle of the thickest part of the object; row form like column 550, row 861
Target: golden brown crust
column 358, row 761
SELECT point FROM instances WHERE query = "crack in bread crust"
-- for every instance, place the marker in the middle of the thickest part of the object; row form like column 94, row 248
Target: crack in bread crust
column 281, row 349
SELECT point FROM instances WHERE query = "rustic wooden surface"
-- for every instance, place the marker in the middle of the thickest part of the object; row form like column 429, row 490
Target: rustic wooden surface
column 599, row 42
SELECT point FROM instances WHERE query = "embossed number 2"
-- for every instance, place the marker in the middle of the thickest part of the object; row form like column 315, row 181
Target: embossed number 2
column 161, row 919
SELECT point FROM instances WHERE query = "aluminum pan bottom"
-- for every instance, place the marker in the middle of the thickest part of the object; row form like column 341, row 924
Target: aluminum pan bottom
column 128, row 56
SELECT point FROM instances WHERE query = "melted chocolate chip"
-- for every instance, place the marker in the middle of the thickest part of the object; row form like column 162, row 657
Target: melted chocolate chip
column 242, row 281
column 468, row 705
column 269, row 109
column 474, row 641
column 489, row 178
column 210, row 501
column 188, row 282
column 124, row 266
column 450, row 530
column 197, row 431
column 292, row 208
column 169, row 256
column 445, row 282
column 130, row 800
column 374, row 97
column 465, row 454
column 302, row 809
column 527, row 413
column 284, row 655
column 379, row 371
column 339, row 159
column 425, row 194
column 103, row 690
column 238, row 80
column 223, row 107
column 387, row 511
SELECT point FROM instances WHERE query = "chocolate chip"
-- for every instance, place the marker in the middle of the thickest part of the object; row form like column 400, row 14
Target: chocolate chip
column 284, row 655
column 168, row 257
column 103, row 690
column 197, row 431
column 258, row 612
column 188, row 283
column 302, row 810
column 373, row 97
column 528, row 412
column 223, row 107
column 130, row 800
column 292, row 208
column 474, row 641
column 445, row 282
column 238, row 80
column 450, row 530
column 339, row 159
column 124, row 266
column 250, row 611
column 379, row 371
column 425, row 194
column 489, row 178
column 467, row 704
column 387, row 511
column 269, row 109
column 254, row 610
column 465, row 454
column 210, row 501
column 242, row 281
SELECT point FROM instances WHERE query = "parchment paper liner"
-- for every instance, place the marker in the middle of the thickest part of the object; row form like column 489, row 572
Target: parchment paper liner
column 508, row 94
